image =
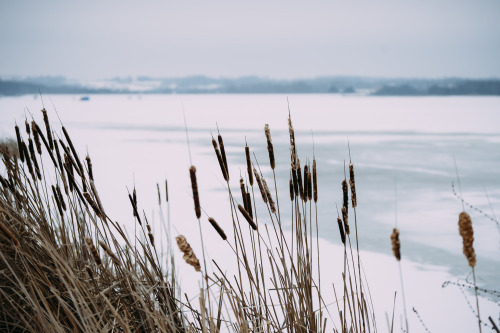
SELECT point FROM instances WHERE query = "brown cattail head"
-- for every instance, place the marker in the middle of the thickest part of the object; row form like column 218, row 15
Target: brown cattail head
column 223, row 153
column 243, row 193
column 396, row 245
column 217, row 228
column 249, row 165
column 47, row 128
column 292, row 193
column 345, row 194
column 309, row 186
column 92, row 203
column 27, row 159
column 150, row 235
column 194, row 186
column 467, row 233
column 269, row 197
column 73, row 150
column 353, row 185
column 134, row 208
column 93, row 251
column 299, row 180
column 33, row 159
column 27, row 127
column 58, row 155
column 189, row 255
column 36, row 137
column 247, row 217
column 166, row 190
column 89, row 167
column 221, row 161
column 295, row 181
column 61, row 199
column 306, row 188
column 19, row 145
column 261, row 187
column 341, row 230
column 110, row 253
column 292, row 139
column 270, row 147
column 346, row 222
column 9, row 234
column 249, row 204
column 58, row 202
column 315, row 181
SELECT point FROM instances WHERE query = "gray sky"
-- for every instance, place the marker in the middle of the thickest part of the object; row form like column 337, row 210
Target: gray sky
column 281, row 39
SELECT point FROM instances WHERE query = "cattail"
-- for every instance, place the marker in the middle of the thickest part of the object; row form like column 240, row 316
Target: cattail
column 292, row 194
column 96, row 196
column 61, row 199
column 33, row 159
column 243, row 194
column 166, row 190
column 309, row 186
column 353, row 185
column 27, row 159
column 36, row 137
column 396, row 245
column 467, row 233
column 56, row 198
column 249, row 165
column 58, row 155
column 45, row 143
column 299, row 180
column 249, row 204
column 295, row 182
column 306, row 188
column 70, row 159
column 109, row 253
column 292, row 139
column 93, row 251
column 134, row 207
column 270, row 148
column 89, row 167
column 150, row 235
column 189, row 255
column 92, row 203
column 27, row 127
column 315, row 182
column 269, row 197
column 223, row 153
column 221, row 161
column 159, row 195
column 69, row 171
column 66, row 135
column 217, row 228
column 194, row 186
column 19, row 145
column 247, row 217
column 47, row 128
column 345, row 194
column 346, row 222
column 9, row 234
column 261, row 188
column 341, row 229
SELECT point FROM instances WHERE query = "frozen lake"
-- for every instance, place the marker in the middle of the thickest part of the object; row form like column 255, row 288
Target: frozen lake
column 403, row 149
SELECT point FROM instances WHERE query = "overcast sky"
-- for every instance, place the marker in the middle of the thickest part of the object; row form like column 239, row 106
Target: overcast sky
column 279, row 39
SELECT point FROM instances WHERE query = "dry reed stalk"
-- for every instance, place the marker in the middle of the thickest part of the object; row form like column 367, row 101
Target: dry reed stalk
column 467, row 233
column 93, row 251
column 249, row 165
column 247, row 217
column 189, row 255
column 315, row 182
column 341, row 230
column 9, row 234
column 299, row 179
column 261, row 187
column 217, row 228
column 221, row 161
column 223, row 153
column 270, row 147
column 194, row 186
column 352, row 182
column 134, row 208
column 45, row 143
column 305, row 186
column 268, row 194
column 36, row 137
column 150, row 235
column 396, row 245
column 19, row 144
column 47, row 128
column 110, row 253
column 292, row 194
column 346, row 222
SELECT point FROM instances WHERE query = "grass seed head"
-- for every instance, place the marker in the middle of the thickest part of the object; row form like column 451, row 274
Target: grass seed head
column 467, row 233
column 189, row 255
column 396, row 245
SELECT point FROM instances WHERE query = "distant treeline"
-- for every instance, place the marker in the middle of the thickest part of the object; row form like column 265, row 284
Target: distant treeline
column 254, row 85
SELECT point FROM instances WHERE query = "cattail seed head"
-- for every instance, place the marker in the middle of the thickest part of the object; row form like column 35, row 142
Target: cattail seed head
column 19, row 145
column 217, row 228
column 292, row 193
column 61, row 199
column 292, row 139
column 269, row 197
column 73, row 150
column 134, row 208
column 341, row 230
column 261, row 187
column 309, row 186
column 223, row 153
column 93, row 251
column 166, row 190
column 299, row 180
column 194, row 186
column 58, row 155
column 249, row 205
column 306, row 188
column 295, row 182
column 346, row 222
column 243, row 194
column 345, row 194
column 270, row 147
column 247, row 217
column 58, row 202
column 36, row 137
column 45, row 143
column 47, row 128
column 189, row 255
column 110, row 253
column 27, row 127
column 221, row 161
column 249, row 165
column 467, row 233
column 150, row 235
column 27, row 159
column 315, row 181
column 353, row 185
column 396, row 245
column 33, row 158
column 92, row 203
column 89, row 167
